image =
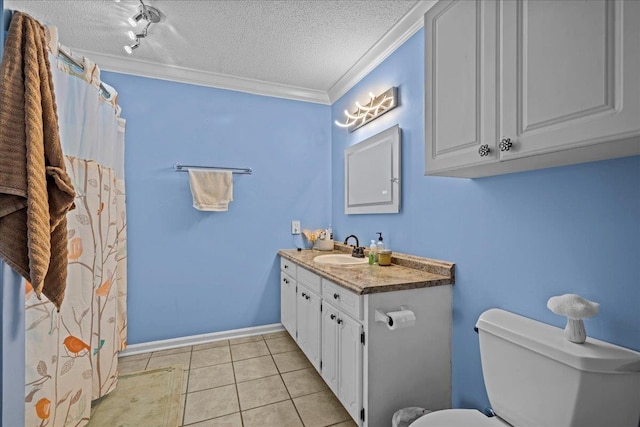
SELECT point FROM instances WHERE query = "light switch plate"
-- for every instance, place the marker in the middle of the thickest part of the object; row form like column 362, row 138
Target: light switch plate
column 295, row 227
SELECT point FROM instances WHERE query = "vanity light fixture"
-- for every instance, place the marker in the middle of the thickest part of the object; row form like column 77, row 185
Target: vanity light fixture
column 148, row 13
column 377, row 106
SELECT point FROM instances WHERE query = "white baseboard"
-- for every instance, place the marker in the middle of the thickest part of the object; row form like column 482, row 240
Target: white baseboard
column 147, row 347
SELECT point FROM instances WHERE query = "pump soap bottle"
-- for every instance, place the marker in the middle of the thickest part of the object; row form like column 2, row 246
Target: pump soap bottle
column 380, row 245
column 373, row 249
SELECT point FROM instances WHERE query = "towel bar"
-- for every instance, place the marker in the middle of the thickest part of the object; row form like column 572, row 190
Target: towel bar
column 177, row 167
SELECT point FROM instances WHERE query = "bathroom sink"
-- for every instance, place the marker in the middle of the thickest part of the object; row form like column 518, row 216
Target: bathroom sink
column 339, row 260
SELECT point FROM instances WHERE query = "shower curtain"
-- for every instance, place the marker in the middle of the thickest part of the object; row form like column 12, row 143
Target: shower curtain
column 72, row 355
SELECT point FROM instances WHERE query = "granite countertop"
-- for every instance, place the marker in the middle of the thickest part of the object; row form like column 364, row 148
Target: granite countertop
column 405, row 271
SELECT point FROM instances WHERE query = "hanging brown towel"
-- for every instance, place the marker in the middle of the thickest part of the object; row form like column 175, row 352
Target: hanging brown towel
column 35, row 190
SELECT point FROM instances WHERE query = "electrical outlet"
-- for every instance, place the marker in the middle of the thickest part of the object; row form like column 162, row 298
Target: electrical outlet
column 295, row 227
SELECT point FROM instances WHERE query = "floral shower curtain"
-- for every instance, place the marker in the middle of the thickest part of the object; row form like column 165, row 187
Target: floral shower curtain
column 72, row 355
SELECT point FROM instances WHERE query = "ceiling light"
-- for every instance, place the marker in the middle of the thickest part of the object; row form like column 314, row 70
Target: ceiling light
column 148, row 13
column 143, row 34
column 130, row 49
column 135, row 18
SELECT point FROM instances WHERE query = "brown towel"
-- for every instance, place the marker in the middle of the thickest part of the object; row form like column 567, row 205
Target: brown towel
column 35, row 190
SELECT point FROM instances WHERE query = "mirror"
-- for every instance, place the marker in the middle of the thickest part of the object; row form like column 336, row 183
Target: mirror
column 372, row 174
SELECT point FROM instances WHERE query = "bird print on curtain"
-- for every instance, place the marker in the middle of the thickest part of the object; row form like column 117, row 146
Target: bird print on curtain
column 90, row 329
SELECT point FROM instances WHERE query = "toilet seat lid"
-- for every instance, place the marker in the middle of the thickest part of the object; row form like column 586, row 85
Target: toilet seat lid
column 457, row 418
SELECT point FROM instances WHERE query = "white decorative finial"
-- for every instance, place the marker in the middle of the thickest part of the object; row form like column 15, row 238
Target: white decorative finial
column 575, row 308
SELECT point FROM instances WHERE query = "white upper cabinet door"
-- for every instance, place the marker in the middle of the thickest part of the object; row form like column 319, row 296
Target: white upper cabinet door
column 350, row 365
column 460, row 84
column 570, row 74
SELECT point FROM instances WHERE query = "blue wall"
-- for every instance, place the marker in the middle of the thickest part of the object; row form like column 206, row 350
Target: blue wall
column 516, row 239
column 193, row 272
column 12, row 328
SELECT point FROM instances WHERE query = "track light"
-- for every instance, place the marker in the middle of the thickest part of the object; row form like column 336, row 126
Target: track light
column 130, row 49
column 133, row 36
column 151, row 15
column 135, row 18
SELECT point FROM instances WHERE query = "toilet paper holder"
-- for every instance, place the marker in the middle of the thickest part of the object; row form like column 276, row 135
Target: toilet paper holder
column 382, row 317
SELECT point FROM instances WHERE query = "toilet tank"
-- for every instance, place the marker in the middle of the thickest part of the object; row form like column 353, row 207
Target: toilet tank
column 535, row 377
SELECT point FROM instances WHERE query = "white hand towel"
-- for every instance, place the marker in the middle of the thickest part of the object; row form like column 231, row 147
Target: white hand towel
column 212, row 190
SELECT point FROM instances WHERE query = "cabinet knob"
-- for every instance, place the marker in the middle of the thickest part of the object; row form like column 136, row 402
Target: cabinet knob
column 484, row 150
column 285, row 280
column 505, row 144
column 307, row 297
column 339, row 321
column 286, row 266
column 303, row 295
column 336, row 296
column 333, row 316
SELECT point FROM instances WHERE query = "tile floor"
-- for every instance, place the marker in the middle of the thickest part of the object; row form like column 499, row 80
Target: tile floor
column 258, row 381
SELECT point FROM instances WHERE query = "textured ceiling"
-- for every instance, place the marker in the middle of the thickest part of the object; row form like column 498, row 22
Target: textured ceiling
column 304, row 44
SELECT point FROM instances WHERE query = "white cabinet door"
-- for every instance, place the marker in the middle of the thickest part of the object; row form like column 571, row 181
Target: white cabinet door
column 460, row 84
column 569, row 74
column 330, row 347
column 288, row 303
column 350, row 365
column 308, row 324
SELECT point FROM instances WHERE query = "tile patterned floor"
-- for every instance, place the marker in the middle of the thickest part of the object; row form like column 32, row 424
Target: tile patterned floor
column 258, row 381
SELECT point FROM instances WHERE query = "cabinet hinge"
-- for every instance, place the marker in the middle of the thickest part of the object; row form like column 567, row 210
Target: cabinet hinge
column 362, row 338
column 362, row 414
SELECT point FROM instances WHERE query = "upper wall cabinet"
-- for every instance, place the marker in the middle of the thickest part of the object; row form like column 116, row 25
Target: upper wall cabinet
column 520, row 85
column 372, row 174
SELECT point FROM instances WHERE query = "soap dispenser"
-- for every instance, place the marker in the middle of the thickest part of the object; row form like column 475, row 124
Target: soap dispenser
column 373, row 249
column 380, row 245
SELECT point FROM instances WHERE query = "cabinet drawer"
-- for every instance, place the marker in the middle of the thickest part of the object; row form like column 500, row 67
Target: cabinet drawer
column 309, row 279
column 286, row 278
column 288, row 267
column 347, row 301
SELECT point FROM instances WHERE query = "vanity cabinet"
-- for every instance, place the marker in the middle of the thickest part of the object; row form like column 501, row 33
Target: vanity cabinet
column 520, row 85
column 308, row 324
column 372, row 370
column 342, row 357
column 288, row 296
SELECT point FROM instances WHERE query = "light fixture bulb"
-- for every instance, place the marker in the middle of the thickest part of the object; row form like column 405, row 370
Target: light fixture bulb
column 135, row 18
column 129, row 49
column 343, row 125
column 131, row 35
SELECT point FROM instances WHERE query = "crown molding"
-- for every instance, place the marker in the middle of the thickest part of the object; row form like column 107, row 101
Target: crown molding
column 406, row 27
column 176, row 73
column 410, row 23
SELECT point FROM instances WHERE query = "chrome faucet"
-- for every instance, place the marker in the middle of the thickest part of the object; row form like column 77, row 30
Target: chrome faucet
column 357, row 251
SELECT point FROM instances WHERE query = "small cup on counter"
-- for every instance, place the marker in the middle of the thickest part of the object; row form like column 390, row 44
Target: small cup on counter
column 323, row 244
column 384, row 257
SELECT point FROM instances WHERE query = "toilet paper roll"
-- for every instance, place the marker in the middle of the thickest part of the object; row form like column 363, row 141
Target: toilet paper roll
column 400, row 319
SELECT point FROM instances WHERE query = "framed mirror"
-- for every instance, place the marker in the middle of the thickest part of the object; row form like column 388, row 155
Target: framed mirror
column 372, row 174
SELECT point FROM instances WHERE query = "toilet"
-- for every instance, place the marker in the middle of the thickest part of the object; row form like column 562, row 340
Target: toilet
column 536, row 378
